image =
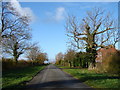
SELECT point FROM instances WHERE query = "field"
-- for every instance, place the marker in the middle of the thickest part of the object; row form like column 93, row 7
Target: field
column 93, row 79
column 16, row 78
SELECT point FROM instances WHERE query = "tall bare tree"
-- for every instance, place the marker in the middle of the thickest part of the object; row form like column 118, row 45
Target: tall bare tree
column 17, row 43
column 15, row 31
column 93, row 31
column 10, row 18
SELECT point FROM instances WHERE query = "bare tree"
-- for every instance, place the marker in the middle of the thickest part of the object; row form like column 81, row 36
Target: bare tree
column 114, row 37
column 15, row 31
column 17, row 43
column 42, row 57
column 59, row 58
column 10, row 18
column 93, row 32
column 6, row 15
column 70, row 56
column 33, row 52
column 36, row 55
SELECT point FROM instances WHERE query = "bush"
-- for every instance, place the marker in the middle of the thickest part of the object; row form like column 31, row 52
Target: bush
column 11, row 64
column 7, row 64
column 111, row 63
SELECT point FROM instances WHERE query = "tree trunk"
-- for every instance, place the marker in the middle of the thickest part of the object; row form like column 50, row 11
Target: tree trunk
column 70, row 64
column 16, row 59
column 87, row 64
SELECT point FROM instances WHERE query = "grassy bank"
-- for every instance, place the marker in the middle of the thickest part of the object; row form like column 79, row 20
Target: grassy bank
column 93, row 79
column 15, row 78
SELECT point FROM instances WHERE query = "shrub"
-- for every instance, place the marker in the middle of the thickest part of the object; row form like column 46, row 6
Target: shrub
column 111, row 63
column 11, row 64
column 7, row 63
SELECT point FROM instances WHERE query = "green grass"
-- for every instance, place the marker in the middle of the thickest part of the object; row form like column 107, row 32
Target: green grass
column 16, row 78
column 62, row 67
column 95, row 80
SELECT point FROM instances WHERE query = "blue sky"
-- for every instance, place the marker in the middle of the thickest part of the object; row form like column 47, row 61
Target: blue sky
column 48, row 26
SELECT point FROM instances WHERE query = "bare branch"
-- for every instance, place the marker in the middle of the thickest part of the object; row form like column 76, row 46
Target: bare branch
column 105, row 30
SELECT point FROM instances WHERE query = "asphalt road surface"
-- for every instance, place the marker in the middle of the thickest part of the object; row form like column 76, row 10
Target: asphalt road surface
column 52, row 77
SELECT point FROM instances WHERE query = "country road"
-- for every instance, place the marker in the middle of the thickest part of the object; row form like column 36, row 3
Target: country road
column 53, row 77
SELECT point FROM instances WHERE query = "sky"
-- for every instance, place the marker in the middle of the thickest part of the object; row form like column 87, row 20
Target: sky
column 48, row 21
column 48, row 26
column 66, row 0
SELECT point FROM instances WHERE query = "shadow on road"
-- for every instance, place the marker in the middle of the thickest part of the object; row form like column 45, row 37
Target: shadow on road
column 69, row 68
column 61, row 85
column 62, row 68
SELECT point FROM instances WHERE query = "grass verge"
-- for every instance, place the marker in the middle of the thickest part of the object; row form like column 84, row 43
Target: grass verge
column 16, row 78
column 93, row 79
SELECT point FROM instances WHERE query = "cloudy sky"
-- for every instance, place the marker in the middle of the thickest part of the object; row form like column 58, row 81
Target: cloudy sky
column 48, row 25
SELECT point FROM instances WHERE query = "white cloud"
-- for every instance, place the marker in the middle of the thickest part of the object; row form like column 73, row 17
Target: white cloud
column 58, row 15
column 20, row 10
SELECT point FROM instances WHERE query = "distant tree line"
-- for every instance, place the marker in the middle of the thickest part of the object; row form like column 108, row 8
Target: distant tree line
column 73, row 59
